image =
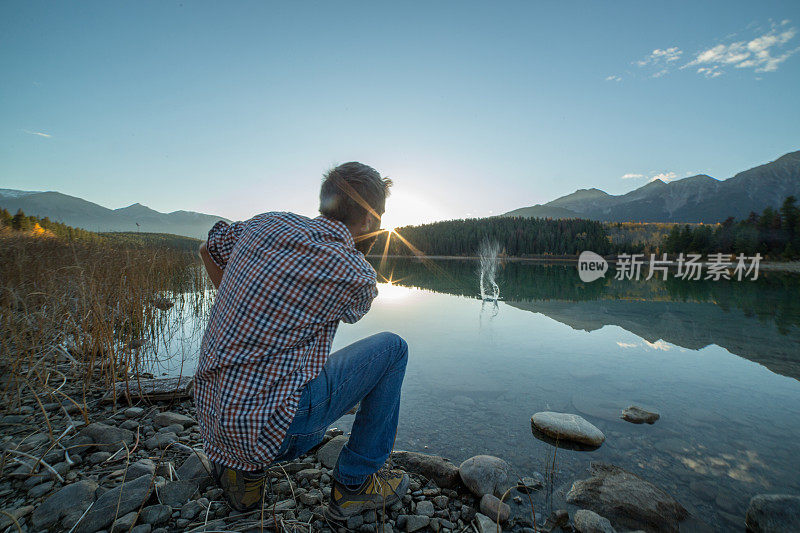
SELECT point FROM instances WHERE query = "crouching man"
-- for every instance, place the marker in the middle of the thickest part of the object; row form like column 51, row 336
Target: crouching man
column 267, row 386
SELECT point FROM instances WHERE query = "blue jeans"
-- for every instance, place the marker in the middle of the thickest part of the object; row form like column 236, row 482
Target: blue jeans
column 369, row 371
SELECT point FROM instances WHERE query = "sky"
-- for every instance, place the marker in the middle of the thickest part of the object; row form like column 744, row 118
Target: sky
column 473, row 109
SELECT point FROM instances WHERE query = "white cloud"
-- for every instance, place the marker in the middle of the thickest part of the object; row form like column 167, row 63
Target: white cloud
column 763, row 53
column 631, row 176
column 664, row 176
column 39, row 133
column 659, row 56
column 613, row 78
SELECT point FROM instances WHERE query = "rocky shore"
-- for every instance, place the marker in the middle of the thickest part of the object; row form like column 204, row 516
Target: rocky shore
column 142, row 469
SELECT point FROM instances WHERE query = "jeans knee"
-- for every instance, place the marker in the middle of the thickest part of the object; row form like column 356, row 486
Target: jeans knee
column 400, row 345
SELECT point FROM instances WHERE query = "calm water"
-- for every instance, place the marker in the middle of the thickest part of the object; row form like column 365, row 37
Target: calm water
column 720, row 361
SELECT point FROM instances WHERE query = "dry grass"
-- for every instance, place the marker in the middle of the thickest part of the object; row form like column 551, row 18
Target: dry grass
column 85, row 312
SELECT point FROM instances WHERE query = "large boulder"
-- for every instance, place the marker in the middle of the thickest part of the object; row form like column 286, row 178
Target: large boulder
column 768, row 513
column 626, row 500
column 440, row 470
column 566, row 426
column 116, row 503
column 177, row 493
column 486, row 474
column 74, row 497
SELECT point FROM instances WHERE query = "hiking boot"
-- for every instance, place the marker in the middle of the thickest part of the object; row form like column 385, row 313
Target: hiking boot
column 381, row 489
column 243, row 490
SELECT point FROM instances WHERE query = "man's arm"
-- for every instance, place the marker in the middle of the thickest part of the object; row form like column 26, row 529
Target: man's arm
column 214, row 271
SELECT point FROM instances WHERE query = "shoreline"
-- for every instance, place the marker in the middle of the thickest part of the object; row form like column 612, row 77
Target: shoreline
column 773, row 266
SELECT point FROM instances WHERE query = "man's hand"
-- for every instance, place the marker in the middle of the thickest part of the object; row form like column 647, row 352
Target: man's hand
column 214, row 272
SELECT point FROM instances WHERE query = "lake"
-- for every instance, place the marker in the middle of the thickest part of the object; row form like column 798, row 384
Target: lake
column 720, row 361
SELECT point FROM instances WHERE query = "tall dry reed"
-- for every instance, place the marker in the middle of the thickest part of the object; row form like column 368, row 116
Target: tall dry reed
column 85, row 310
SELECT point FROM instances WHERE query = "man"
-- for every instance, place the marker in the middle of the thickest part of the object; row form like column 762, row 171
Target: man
column 266, row 388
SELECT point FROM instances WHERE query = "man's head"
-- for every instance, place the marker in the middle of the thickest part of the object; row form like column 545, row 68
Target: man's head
column 355, row 194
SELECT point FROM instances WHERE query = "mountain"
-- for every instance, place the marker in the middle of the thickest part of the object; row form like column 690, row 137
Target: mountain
column 80, row 213
column 698, row 198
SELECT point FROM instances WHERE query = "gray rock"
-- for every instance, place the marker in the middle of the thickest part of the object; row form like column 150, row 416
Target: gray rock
column 310, row 498
column 192, row 509
column 40, row 490
column 328, row 453
column 285, row 505
column 531, row 483
column 566, row 426
column 486, row 474
column 74, row 497
column 172, row 428
column 98, row 457
column 355, row 522
column 637, row 415
column 425, row 508
column 167, row 418
column 134, row 412
column 160, row 440
column 587, row 521
column 123, row 524
column 196, row 468
column 142, row 528
column 440, row 501
column 142, row 467
column 770, row 513
column 177, row 493
column 17, row 514
column 106, row 438
column 626, row 500
column 486, row 524
column 415, row 522
column 443, row 472
column 130, row 425
column 492, row 507
column 156, row 514
column 116, row 503
column 308, row 473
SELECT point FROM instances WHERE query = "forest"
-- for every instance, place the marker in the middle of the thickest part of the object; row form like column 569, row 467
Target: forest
column 773, row 233
column 517, row 237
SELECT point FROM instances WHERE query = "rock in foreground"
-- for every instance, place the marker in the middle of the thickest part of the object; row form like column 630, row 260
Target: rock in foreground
column 486, row 474
column 626, row 500
column 768, row 513
column 443, row 472
column 567, row 427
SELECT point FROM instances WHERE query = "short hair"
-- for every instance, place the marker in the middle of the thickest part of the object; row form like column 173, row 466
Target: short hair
column 351, row 190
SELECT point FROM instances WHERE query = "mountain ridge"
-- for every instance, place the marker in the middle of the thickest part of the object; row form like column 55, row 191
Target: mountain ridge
column 80, row 213
column 699, row 198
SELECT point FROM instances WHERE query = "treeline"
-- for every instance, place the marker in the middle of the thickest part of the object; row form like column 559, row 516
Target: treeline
column 773, row 233
column 517, row 236
column 44, row 227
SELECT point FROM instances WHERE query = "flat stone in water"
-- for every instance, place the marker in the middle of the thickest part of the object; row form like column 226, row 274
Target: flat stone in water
column 567, row 426
column 637, row 415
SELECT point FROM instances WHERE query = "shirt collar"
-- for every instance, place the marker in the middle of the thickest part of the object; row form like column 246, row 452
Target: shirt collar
column 338, row 228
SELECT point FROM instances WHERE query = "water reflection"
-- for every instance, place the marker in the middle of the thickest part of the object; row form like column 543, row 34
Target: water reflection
column 758, row 320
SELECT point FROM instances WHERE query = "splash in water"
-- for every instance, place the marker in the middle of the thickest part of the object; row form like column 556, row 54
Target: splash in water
column 489, row 260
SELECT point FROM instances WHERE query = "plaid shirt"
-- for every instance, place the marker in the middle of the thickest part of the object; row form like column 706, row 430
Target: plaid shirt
column 288, row 280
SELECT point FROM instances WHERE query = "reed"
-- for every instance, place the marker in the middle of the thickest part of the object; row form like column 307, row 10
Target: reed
column 87, row 312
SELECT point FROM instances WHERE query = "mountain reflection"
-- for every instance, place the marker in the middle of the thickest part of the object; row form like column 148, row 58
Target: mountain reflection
column 758, row 320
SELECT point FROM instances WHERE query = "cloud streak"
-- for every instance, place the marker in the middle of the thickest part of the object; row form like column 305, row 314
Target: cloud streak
column 764, row 53
column 39, row 133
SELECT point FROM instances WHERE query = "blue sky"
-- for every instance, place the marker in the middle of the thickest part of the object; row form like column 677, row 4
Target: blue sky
column 236, row 108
